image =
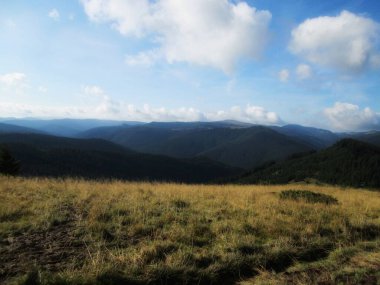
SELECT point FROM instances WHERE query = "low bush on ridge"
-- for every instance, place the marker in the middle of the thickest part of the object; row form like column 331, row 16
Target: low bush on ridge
column 308, row 196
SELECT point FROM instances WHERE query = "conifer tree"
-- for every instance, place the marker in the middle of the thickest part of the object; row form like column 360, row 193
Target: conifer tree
column 8, row 164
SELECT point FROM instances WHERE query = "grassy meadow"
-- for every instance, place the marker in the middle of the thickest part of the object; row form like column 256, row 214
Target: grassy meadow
column 86, row 232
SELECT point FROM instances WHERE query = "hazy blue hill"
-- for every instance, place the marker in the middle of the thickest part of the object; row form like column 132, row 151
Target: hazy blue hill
column 317, row 138
column 65, row 127
column 348, row 162
column 190, row 143
column 233, row 144
column 48, row 142
column 42, row 155
column 255, row 146
column 369, row 137
column 9, row 128
column 161, row 138
column 137, row 135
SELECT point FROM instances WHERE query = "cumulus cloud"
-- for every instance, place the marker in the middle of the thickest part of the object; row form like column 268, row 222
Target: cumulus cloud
column 303, row 71
column 11, row 79
column 347, row 42
column 284, row 75
column 54, row 14
column 106, row 106
column 209, row 33
column 349, row 117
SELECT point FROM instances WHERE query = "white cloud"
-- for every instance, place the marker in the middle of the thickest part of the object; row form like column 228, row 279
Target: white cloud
column 106, row 106
column 209, row 33
column 251, row 114
column 303, row 71
column 54, row 14
column 42, row 89
column 347, row 42
column 93, row 90
column 284, row 75
column 349, row 117
column 11, row 79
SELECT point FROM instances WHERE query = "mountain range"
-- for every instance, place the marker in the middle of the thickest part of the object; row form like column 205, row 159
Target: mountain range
column 244, row 147
column 239, row 145
column 170, row 151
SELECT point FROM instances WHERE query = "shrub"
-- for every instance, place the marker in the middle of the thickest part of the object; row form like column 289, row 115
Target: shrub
column 308, row 196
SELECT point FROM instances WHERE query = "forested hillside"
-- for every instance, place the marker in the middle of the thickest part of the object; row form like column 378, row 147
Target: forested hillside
column 42, row 155
column 348, row 162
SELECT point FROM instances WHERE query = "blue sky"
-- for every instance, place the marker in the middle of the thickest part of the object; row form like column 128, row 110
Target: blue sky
column 265, row 61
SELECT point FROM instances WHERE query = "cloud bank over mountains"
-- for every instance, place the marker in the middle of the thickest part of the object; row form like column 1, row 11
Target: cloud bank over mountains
column 348, row 117
column 109, row 109
column 99, row 104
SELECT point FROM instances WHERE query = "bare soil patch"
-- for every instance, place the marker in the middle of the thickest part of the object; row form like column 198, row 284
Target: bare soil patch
column 52, row 250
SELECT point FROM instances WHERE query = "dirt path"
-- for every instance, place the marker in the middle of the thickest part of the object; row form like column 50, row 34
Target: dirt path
column 51, row 250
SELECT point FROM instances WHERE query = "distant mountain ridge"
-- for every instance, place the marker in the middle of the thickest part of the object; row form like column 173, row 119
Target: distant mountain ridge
column 63, row 127
column 244, row 146
column 9, row 128
column 49, row 142
column 240, row 145
column 317, row 138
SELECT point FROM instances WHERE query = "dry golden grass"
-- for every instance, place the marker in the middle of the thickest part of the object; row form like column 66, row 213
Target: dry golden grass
column 87, row 232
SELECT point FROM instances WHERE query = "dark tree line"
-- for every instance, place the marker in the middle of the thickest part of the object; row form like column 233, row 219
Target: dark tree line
column 8, row 164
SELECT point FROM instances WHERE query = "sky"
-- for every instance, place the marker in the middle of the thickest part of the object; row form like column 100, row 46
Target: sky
column 270, row 62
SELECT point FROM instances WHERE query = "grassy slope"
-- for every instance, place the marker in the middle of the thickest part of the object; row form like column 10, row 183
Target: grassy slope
column 78, row 232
